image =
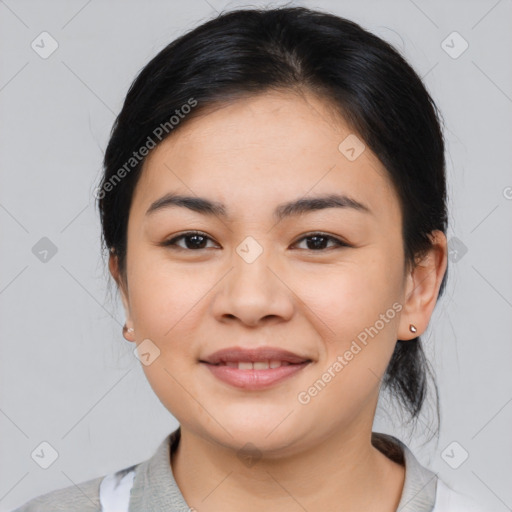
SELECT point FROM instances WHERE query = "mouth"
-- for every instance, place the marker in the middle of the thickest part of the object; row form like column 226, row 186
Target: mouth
column 258, row 355
column 254, row 369
column 256, row 365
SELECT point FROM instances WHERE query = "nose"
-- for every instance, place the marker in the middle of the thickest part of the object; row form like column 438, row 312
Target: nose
column 254, row 292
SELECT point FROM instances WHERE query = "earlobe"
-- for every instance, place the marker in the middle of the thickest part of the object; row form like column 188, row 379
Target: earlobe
column 113, row 265
column 422, row 288
column 128, row 333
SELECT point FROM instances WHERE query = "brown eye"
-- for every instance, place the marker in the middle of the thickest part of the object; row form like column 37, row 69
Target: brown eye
column 318, row 241
column 193, row 241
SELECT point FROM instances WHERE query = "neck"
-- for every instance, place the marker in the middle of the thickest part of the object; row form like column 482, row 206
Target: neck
column 342, row 472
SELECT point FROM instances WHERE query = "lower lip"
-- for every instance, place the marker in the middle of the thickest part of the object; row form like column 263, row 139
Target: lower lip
column 254, row 379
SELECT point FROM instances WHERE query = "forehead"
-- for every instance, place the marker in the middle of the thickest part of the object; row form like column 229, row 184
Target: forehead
column 272, row 147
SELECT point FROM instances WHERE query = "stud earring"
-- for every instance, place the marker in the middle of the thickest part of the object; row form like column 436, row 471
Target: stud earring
column 412, row 328
column 127, row 329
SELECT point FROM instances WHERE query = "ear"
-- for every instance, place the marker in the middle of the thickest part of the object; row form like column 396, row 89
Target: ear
column 422, row 288
column 113, row 265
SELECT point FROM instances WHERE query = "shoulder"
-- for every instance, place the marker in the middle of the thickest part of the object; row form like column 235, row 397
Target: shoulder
column 448, row 500
column 111, row 491
column 83, row 497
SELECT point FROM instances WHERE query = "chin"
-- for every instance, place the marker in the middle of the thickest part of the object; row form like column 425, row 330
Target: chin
column 270, row 435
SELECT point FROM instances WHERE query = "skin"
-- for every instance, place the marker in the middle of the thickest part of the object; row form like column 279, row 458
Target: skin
column 252, row 155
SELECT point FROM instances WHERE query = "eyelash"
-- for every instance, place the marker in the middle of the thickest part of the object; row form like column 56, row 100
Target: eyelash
column 171, row 243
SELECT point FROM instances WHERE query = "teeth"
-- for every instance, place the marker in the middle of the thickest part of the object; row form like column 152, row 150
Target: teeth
column 257, row 365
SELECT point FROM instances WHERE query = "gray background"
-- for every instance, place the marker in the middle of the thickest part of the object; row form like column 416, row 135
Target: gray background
column 67, row 375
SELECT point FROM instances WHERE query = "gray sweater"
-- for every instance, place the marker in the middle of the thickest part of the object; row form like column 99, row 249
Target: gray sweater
column 155, row 490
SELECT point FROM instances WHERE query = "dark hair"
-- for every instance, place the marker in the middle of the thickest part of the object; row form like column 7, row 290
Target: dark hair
column 249, row 51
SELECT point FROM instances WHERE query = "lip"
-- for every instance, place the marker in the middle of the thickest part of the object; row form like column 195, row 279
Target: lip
column 254, row 379
column 235, row 354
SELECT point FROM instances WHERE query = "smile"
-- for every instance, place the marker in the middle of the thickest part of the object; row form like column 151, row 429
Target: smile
column 255, row 375
column 257, row 365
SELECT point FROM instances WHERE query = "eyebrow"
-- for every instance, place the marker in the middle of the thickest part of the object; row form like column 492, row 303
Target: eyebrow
column 293, row 208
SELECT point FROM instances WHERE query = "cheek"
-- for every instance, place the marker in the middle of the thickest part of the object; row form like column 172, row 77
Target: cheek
column 344, row 300
column 356, row 313
column 172, row 387
column 166, row 308
column 358, row 343
column 164, row 297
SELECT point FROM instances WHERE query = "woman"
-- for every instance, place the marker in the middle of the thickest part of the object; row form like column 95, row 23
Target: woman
column 274, row 206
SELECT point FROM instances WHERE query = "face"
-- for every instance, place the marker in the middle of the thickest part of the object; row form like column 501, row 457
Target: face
column 325, row 283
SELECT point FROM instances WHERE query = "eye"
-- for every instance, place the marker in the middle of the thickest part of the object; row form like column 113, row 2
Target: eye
column 318, row 241
column 196, row 240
